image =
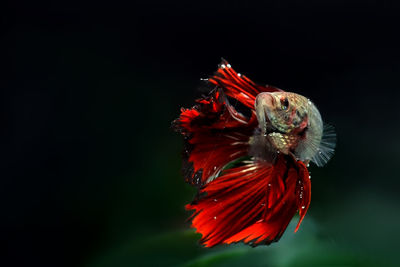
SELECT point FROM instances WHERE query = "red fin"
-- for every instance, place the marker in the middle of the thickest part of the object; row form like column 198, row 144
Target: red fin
column 215, row 132
column 303, row 190
column 238, row 86
column 215, row 135
column 253, row 203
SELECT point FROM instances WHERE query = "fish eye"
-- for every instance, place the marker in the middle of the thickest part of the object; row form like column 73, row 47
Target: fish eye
column 284, row 103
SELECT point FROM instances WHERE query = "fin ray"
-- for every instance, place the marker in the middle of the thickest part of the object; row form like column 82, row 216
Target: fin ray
column 326, row 147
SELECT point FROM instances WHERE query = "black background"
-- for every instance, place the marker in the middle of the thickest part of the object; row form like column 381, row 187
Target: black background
column 88, row 91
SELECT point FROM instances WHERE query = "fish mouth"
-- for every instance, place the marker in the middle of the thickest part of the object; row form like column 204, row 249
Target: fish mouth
column 269, row 100
column 269, row 128
column 265, row 105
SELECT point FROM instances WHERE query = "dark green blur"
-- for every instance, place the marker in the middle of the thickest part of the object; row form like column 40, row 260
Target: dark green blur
column 91, row 168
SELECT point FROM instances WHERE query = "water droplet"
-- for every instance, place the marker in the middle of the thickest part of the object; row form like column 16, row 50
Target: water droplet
column 215, row 167
column 269, row 184
column 262, row 204
column 239, row 74
column 308, row 165
column 222, row 66
column 309, row 177
column 215, row 217
column 215, row 200
column 303, row 207
column 228, row 65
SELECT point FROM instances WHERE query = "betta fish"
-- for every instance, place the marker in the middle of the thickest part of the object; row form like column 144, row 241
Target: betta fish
column 247, row 150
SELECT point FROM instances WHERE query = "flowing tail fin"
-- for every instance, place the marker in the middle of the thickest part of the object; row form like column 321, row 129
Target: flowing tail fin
column 252, row 203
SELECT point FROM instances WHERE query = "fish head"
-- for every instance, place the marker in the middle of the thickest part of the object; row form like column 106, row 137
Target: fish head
column 285, row 119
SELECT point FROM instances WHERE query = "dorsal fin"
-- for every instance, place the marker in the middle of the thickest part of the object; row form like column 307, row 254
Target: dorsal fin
column 237, row 85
